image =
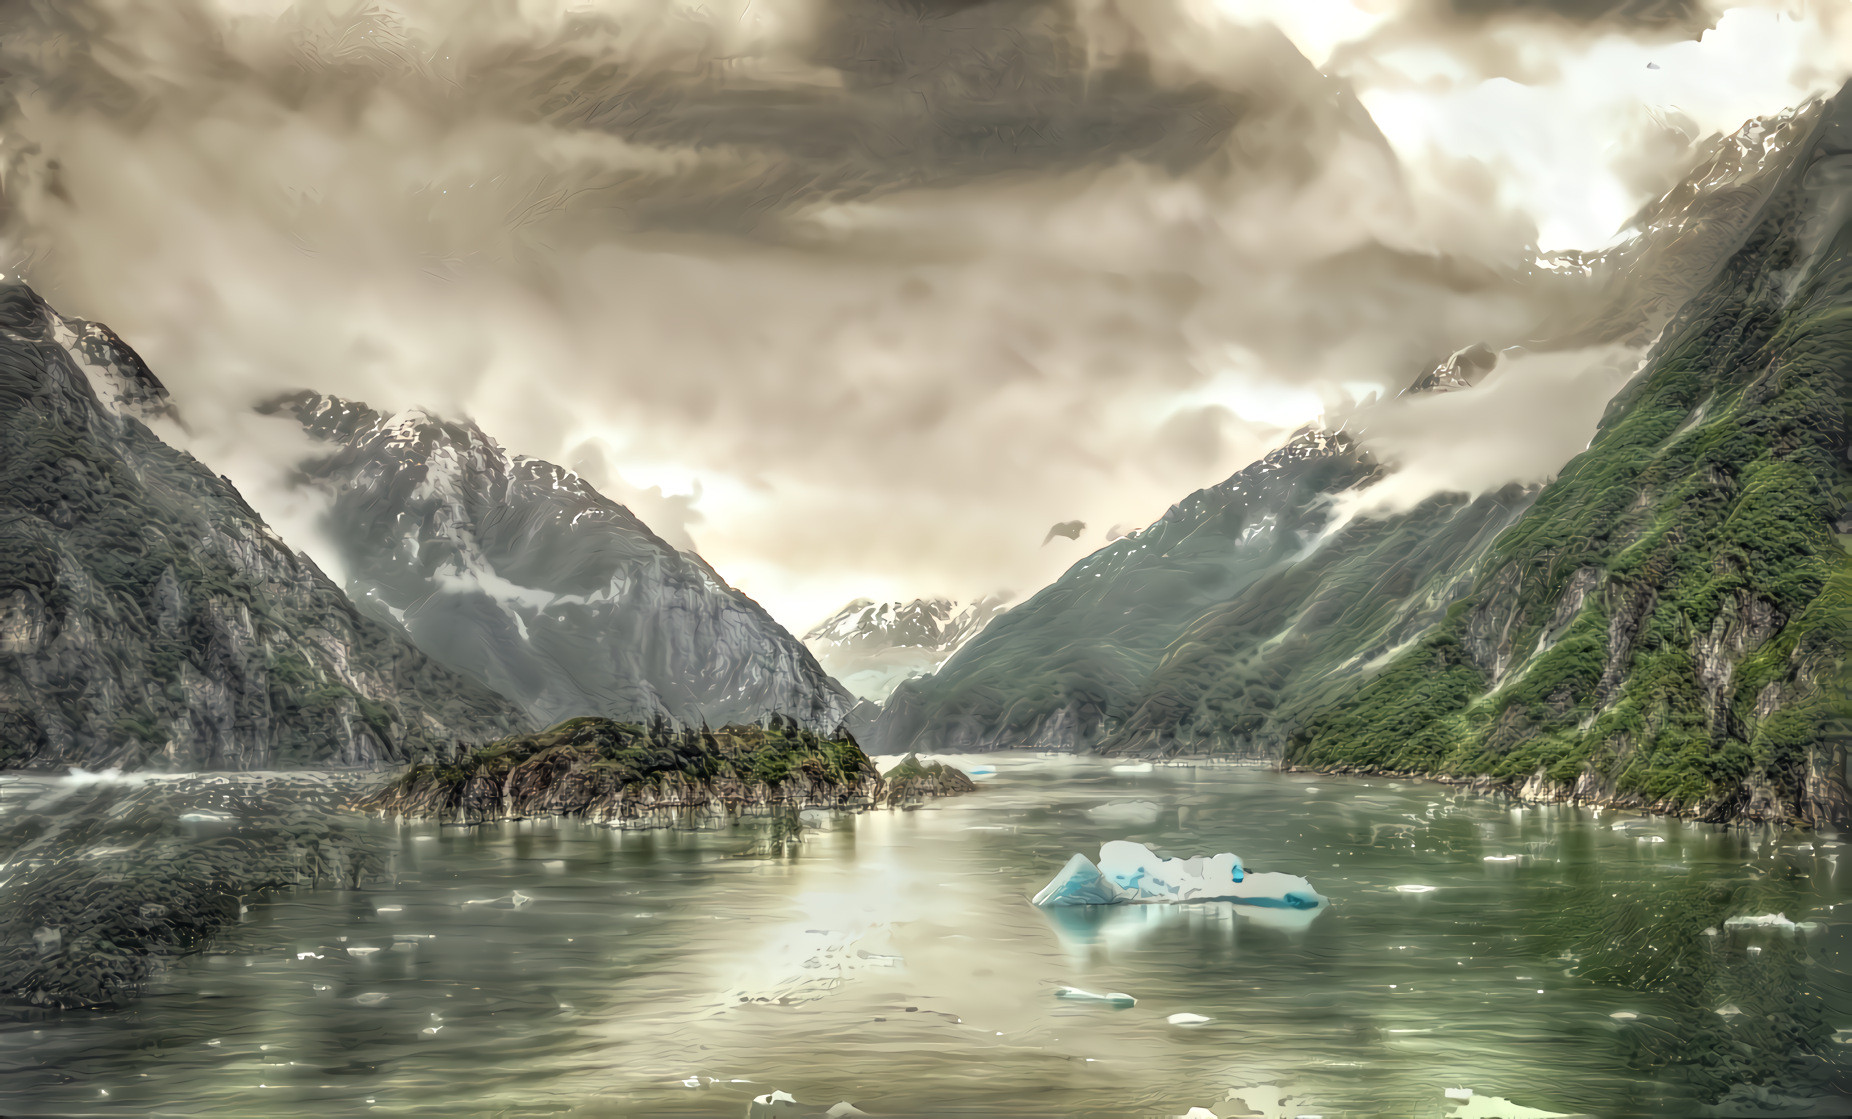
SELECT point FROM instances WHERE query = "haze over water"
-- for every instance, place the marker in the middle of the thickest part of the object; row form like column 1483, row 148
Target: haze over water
column 892, row 959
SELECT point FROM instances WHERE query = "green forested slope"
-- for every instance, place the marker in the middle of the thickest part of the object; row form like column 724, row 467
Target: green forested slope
column 1667, row 624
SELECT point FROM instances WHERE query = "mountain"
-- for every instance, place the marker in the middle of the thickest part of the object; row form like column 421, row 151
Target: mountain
column 149, row 618
column 1668, row 624
column 1106, row 653
column 872, row 646
column 1245, row 620
column 522, row 575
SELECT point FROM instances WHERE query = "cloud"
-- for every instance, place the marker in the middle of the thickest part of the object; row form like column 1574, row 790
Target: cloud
column 848, row 293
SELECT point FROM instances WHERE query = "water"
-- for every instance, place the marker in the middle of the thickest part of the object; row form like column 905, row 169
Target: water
column 892, row 960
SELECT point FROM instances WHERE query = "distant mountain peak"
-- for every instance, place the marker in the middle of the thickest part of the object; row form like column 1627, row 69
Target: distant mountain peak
column 521, row 573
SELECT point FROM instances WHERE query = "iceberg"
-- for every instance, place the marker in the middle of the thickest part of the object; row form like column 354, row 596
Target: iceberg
column 1132, row 874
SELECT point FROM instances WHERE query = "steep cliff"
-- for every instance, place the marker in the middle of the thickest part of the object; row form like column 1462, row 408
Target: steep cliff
column 148, row 617
column 1668, row 624
column 521, row 574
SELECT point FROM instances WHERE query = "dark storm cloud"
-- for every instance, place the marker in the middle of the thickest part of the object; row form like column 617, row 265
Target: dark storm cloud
column 917, row 275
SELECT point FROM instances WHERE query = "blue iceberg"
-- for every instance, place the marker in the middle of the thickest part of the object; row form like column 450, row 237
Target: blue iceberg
column 1133, row 874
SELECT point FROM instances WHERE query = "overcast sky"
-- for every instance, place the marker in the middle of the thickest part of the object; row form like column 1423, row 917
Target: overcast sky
column 862, row 296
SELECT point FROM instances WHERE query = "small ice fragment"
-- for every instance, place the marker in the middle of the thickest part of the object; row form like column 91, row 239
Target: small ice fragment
column 371, row 998
column 1729, row 1010
column 845, row 1109
column 692, row 1082
column 1755, row 949
column 361, row 951
column 1459, row 1093
column 771, row 1104
column 554, row 866
column 390, row 909
column 507, row 901
column 1502, row 858
column 215, row 1041
column 1187, row 1019
column 1116, row 998
column 1413, row 889
column 312, row 955
column 48, row 941
column 430, row 1031
column 1623, row 1016
column 1199, row 1113
column 1132, row 767
column 1776, row 921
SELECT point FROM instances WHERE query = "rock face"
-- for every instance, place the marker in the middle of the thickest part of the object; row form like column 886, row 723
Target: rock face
column 521, row 574
column 148, row 617
column 633, row 776
column 1668, row 625
column 872, row 646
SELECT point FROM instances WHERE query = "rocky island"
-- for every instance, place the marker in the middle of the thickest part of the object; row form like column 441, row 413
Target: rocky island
column 635, row 776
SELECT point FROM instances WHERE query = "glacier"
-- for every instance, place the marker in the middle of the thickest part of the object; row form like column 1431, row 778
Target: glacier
column 1132, row 874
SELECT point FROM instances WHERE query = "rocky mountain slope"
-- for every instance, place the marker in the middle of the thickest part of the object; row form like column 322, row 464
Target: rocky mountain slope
column 148, row 617
column 1668, row 624
column 521, row 574
column 872, row 646
column 1246, row 619
column 1066, row 666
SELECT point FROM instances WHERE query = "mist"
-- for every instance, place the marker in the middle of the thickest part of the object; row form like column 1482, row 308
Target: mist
column 859, row 298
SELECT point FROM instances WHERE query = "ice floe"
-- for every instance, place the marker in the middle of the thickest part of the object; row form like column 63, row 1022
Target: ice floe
column 1132, row 874
column 1116, row 998
column 1187, row 1019
column 1775, row 921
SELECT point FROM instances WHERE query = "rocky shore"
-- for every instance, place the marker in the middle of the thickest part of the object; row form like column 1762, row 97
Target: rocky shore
column 633, row 776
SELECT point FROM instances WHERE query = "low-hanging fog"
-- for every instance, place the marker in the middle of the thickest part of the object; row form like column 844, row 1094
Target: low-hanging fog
column 861, row 297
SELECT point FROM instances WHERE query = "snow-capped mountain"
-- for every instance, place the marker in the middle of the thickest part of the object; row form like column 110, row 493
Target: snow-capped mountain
column 872, row 646
column 522, row 574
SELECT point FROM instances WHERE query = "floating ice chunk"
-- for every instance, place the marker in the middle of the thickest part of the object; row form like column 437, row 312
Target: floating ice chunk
column 1126, row 812
column 1415, row 889
column 554, row 866
column 1199, row 1113
column 1473, row 1106
column 1116, row 998
column 692, row 1082
column 361, row 951
column 390, row 909
column 770, row 1104
column 1623, row 1016
column 844, row 1110
column 1132, row 874
column 1187, row 1019
column 1776, row 921
column 1132, row 767
column 507, row 901
column 1503, row 858
column 371, row 998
